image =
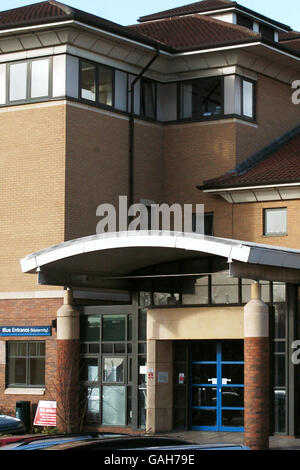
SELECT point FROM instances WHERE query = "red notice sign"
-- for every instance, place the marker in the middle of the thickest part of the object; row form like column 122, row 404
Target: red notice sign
column 45, row 414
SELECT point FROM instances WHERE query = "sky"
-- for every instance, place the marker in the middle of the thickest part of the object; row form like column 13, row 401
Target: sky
column 127, row 12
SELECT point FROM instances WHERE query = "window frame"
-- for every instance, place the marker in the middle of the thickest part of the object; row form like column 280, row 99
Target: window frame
column 27, row 358
column 97, row 67
column 28, row 98
column 147, row 81
column 199, row 117
column 274, row 234
column 243, row 115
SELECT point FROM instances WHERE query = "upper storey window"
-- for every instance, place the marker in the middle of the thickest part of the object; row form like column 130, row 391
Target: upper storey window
column 201, row 98
column 242, row 20
column 97, row 83
column 28, row 80
column 148, row 99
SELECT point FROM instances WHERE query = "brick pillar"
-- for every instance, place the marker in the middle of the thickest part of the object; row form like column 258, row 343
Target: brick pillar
column 67, row 376
column 256, row 357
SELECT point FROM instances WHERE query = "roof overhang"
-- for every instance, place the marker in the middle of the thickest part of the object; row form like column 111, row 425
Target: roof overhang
column 118, row 260
column 258, row 193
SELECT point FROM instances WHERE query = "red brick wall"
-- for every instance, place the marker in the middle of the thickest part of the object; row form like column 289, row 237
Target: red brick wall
column 30, row 312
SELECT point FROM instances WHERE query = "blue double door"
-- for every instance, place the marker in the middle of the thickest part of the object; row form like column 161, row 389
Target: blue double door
column 217, row 386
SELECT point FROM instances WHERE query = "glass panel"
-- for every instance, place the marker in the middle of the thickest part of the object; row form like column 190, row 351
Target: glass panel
column 107, row 348
column 42, row 348
column 279, row 292
column 275, row 221
column 13, row 348
column 93, row 405
column 88, row 81
column 142, row 324
column 142, row 407
column 279, row 347
column 129, row 406
column 129, row 328
column 106, row 80
column 204, row 351
column 40, row 78
column 114, row 406
column 119, row 348
column 199, row 293
column 204, row 396
column 233, row 372
column 90, row 328
column 201, row 98
column 18, row 82
column 225, row 289
column 142, row 378
column 246, row 290
column 37, row 371
column 279, row 370
column 89, row 369
column 160, row 298
column 145, row 299
column 94, row 348
column 233, row 396
column 279, row 410
column 17, row 371
column 180, row 351
column 33, row 349
column 233, row 418
column 233, row 351
column 148, row 99
column 247, row 99
column 113, row 369
column 180, row 398
column 204, row 417
column 279, row 321
column 204, row 373
column 114, row 327
column 142, row 348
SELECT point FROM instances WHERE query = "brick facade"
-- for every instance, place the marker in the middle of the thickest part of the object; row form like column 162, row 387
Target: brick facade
column 30, row 312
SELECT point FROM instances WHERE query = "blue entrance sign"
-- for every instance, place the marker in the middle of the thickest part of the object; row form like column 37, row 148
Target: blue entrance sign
column 25, row 330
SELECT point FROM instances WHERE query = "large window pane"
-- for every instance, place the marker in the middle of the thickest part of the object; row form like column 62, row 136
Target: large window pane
column 88, row 81
column 114, row 327
column 113, row 406
column 248, row 99
column 26, row 364
column 106, row 81
column 225, row 289
column 201, row 98
column 113, row 369
column 198, row 291
column 40, row 78
column 17, row 371
column 37, row 371
column 89, row 369
column 275, row 221
column 18, row 82
column 90, row 328
column 148, row 97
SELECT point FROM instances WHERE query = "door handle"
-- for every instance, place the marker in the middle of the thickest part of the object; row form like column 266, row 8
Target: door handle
column 213, row 381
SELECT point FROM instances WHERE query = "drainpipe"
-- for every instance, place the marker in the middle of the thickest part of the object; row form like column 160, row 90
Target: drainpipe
column 131, row 130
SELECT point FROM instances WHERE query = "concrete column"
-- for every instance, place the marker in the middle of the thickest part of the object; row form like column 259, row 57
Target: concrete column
column 67, row 387
column 159, row 386
column 256, row 357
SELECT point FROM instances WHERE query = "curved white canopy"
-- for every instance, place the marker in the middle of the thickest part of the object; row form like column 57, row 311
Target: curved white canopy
column 121, row 255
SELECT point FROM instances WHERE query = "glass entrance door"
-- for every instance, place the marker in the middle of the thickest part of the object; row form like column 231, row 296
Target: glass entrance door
column 217, row 386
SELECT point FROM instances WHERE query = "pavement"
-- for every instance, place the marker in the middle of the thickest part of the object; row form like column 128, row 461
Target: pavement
column 204, row 437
